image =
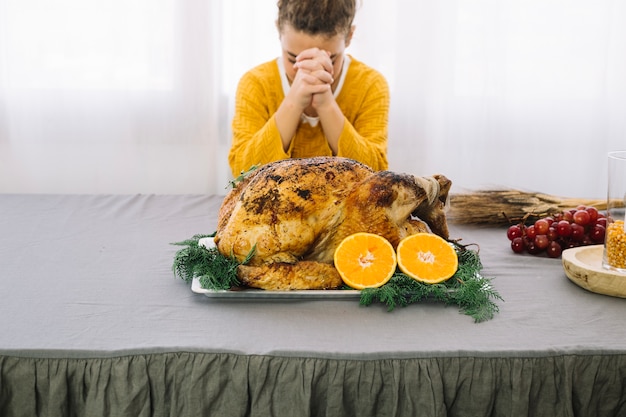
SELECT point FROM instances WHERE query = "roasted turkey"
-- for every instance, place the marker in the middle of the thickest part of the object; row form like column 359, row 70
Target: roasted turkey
column 295, row 212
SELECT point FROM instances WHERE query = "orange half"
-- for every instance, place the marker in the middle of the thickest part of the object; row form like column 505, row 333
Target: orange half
column 427, row 257
column 365, row 260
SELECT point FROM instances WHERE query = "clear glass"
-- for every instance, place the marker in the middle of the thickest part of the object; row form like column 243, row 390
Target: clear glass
column 615, row 241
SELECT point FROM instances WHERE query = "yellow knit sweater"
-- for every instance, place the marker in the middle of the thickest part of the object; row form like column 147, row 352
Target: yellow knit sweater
column 363, row 99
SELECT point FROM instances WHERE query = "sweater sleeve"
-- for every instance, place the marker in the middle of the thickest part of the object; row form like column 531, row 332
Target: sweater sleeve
column 256, row 139
column 365, row 139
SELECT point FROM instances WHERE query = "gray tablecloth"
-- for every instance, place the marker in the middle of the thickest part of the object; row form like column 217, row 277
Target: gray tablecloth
column 94, row 322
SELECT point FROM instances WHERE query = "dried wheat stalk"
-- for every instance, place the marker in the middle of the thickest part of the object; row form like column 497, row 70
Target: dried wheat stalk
column 503, row 207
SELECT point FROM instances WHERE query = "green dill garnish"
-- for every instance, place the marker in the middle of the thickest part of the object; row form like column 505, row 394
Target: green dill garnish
column 470, row 291
column 242, row 176
column 213, row 270
column 467, row 288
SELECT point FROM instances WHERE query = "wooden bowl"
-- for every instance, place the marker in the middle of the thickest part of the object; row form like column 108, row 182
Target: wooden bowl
column 583, row 266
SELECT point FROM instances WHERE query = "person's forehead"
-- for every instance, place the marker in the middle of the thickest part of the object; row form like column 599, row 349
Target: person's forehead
column 294, row 42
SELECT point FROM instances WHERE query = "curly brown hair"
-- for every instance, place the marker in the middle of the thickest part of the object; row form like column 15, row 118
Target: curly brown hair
column 317, row 17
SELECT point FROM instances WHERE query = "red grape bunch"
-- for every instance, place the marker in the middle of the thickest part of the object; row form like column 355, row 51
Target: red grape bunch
column 581, row 226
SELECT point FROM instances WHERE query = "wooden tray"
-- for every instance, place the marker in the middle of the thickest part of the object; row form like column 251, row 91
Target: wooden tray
column 583, row 266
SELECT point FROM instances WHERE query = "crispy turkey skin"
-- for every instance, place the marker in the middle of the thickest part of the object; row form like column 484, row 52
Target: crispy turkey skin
column 295, row 212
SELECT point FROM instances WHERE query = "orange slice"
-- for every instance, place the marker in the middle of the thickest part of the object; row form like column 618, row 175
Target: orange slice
column 365, row 260
column 427, row 257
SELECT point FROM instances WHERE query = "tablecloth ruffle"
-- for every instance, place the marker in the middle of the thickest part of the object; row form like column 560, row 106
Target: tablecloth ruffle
column 207, row 384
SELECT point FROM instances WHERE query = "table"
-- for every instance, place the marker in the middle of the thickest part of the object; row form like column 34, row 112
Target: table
column 94, row 322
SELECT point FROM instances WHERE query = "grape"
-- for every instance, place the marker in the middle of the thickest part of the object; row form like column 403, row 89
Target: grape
column 597, row 233
column 532, row 248
column 517, row 244
column 586, row 241
column 554, row 233
column 514, row 231
column 578, row 232
column 569, row 216
column 542, row 226
column 593, row 214
column 554, row 250
column 564, row 228
column 542, row 241
column 582, row 217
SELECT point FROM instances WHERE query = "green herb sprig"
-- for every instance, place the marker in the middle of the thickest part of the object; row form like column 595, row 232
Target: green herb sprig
column 467, row 288
column 213, row 270
column 242, row 176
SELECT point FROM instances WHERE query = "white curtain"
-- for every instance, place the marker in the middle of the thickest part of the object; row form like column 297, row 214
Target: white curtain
column 117, row 96
column 136, row 96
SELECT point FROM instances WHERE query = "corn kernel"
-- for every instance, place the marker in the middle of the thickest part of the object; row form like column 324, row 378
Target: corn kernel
column 616, row 244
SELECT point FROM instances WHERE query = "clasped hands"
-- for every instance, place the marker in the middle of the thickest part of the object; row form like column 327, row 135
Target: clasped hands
column 312, row 84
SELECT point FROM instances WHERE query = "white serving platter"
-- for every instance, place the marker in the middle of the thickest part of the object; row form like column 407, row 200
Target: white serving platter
column 275, row 295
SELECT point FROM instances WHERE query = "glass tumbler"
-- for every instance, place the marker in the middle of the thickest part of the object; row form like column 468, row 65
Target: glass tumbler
column 615, row 239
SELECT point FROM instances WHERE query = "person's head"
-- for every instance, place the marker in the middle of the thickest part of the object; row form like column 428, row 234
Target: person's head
column 325, row 24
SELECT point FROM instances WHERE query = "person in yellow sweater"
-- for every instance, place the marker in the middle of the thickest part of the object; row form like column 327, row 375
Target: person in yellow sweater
column 313, row 100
